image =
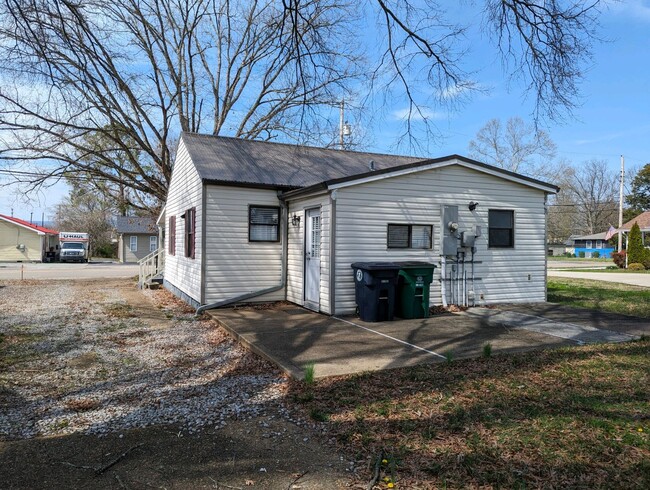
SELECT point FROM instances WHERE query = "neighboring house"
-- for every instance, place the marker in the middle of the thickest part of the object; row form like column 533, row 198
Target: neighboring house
column 592, row 244
column 23, row 241
column 258, row 221
column 137, row 237
column 644, row 224
column 555, row 249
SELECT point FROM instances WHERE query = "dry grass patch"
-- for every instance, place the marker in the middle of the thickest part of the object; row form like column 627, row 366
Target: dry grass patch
column 119, row 310
column 566, row 418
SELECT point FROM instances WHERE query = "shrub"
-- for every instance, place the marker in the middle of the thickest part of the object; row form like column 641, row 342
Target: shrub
column 635, row 249
column 595, row 255
column 582, row 255
column 619, row 259
column 635, row 266
column 646, row 259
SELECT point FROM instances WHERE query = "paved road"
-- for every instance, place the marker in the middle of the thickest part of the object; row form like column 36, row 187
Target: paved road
column 625, row 278
column 92, row 270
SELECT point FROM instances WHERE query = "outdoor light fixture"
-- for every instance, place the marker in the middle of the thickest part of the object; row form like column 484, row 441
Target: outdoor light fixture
column 473, row 205
column 295, row 220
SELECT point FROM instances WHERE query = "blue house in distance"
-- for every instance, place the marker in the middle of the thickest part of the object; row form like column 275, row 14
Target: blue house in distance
column 589, row 244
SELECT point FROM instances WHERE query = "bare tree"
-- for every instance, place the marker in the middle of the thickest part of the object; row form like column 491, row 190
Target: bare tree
column 594, row 190
column 136, row 72
column 132, row 73
column 517, row 146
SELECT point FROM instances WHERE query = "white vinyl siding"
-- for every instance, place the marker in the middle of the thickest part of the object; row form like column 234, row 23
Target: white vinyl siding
column 364, row 211
column 185, row 192
column 234, row 265
column 296, row 258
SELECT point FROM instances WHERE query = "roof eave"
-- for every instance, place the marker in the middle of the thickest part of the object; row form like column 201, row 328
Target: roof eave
column 250, row 185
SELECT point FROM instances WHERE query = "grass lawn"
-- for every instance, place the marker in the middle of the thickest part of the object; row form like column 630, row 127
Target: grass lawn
column 607, row 271
column 566, row 418
column 614, row 297
column 560, row 258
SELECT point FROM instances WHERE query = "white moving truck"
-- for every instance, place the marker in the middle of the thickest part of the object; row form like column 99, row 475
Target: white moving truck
column 73, row 246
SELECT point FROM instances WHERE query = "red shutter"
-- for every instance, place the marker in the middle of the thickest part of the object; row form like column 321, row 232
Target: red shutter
column 172, row 235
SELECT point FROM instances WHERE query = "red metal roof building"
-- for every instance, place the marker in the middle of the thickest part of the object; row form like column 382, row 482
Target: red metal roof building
column 22, row 241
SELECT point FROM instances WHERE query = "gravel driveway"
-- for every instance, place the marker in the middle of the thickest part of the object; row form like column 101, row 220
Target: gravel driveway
column 100, row 360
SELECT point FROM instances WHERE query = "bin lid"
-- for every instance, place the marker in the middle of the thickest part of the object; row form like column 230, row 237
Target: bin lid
column 376, row 266
column 415, row 264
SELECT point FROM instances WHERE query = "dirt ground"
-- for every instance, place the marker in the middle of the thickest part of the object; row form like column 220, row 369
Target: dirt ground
column 104, row 386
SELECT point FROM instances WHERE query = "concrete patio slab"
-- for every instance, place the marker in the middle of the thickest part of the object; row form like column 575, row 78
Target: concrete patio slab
column 293, row 337
column 580, row 334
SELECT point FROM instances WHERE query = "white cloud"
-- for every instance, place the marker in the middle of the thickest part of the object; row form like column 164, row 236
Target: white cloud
column 460, row 89
column 421, row 115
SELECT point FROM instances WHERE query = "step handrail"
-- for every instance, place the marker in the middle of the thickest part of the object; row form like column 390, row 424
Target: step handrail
column 150, row 266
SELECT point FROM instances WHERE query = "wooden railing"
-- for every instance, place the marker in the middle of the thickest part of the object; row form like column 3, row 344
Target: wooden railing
column 151, row 266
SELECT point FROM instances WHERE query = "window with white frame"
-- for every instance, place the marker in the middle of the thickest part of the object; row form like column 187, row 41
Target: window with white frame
column 599, row 244
column 588, row 244
column 133, row 243
column 263, row 224
column 153, row 243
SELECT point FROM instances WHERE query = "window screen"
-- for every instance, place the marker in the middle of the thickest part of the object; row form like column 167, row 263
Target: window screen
column 398, row 236
column 263, row 224
column 501, row 225
column 410, row 236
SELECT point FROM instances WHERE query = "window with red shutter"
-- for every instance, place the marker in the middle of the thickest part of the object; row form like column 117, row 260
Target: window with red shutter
column 190, row 232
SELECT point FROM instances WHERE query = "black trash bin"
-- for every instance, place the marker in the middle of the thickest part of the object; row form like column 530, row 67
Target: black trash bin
column 374, row 287
column 413, row 289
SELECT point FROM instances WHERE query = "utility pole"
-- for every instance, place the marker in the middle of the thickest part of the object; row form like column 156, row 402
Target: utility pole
column 341, row 116
column 620, row 206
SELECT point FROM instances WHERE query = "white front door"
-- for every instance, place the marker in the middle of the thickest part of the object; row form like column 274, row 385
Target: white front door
column 312, row 259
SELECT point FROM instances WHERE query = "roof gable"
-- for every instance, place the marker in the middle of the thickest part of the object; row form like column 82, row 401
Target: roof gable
column 135, row 224
column 643, row 220
column 30, row 226
column 423, row 166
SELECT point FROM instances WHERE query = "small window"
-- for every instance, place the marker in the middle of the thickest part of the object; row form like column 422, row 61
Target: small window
column 501, row 233
column 410, row 236
column 190, row 232
column 133, row 243
column 172, row 235
column 153, row 243
column 599, row 244
column 588, row 244
column 263, row 224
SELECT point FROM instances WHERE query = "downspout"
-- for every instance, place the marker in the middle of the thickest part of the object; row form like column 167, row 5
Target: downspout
column 283, row 279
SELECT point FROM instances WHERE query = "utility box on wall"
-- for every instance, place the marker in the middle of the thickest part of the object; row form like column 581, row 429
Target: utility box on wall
column 449, row 239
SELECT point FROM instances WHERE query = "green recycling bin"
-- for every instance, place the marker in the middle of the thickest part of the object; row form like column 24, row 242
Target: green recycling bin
column 413, row 289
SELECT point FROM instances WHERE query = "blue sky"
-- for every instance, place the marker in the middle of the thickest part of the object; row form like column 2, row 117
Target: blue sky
column 613, row 117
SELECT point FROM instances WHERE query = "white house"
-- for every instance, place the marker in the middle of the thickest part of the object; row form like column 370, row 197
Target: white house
column 258, row 221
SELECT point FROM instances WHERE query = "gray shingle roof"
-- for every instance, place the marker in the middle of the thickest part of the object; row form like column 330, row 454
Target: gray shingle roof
column 135, row 224
column 224, row 159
